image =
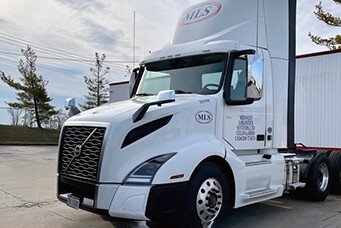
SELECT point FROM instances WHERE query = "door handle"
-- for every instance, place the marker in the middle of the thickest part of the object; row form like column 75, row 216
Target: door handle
column 260, row 137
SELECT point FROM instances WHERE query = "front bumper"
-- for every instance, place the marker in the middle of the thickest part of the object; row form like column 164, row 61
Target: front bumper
column 138, row 202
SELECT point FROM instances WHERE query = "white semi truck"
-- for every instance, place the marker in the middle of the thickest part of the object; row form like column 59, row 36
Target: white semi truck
column 210, row 125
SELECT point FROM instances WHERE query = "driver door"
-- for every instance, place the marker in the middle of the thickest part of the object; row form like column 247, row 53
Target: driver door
column 244, row 114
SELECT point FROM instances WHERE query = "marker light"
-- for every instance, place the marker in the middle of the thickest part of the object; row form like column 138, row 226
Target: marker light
column 177, row 176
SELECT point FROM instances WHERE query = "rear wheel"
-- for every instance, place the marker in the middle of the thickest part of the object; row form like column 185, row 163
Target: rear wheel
column 208, row 197
column 335, row 161
column 319, row 179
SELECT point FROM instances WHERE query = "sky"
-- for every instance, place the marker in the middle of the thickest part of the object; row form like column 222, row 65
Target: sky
column 65, row 35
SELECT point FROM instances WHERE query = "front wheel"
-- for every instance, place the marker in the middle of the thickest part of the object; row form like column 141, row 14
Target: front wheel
column 208, row 199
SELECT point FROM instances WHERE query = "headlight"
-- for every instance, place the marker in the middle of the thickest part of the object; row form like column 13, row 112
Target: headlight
column 144, row 173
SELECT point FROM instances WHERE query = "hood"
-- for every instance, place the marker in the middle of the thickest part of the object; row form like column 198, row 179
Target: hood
column 186, row 119
column 112, row 113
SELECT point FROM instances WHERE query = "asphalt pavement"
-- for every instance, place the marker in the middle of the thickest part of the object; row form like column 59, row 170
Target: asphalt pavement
column 28, row 199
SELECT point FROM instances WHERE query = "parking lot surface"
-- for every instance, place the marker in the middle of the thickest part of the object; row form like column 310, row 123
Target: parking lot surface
column 28, row 199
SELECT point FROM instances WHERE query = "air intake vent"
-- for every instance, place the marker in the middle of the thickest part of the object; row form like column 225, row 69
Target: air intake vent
column 145, row 130
column 80, row 152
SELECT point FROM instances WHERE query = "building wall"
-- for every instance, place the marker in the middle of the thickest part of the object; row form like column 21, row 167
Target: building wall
column 119, row 91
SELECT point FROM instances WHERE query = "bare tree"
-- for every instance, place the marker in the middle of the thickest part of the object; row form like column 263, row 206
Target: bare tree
column 15, row 113
column 27, row 119
column 56, row 121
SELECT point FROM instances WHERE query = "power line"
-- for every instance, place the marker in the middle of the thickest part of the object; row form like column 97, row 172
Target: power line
column 19, row 42
column 63, row 52
column 45, row 46
column 57, row 55
column 55, row 50
column 116, row 67
column 113, row 67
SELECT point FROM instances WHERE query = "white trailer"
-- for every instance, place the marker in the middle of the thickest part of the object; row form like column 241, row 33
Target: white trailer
column 209, row 126
column 318, row 100
column 118, row 91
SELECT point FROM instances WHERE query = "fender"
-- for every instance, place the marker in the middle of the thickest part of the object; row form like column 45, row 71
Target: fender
column 184, row 163
column 305, row 167
column 199, row 152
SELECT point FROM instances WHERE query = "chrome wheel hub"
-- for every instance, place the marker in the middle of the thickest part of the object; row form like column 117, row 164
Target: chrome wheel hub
column 323, row 177
column 209, row 201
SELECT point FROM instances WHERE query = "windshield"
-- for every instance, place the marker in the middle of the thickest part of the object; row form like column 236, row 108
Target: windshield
column 200, row 74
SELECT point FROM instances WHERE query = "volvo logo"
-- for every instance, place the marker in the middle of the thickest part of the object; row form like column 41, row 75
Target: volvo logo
column 77, row 151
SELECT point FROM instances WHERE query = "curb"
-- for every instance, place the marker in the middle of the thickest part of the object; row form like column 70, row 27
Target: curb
column 28, row 144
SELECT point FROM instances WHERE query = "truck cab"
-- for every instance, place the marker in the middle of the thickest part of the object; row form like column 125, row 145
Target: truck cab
column 205, row 128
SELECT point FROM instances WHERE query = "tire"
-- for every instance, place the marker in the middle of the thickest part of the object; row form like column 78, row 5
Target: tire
column 208, row 197
column 319, row 179
column 335, row 162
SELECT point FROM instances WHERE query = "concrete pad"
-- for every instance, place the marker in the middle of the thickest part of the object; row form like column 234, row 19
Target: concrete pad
column 28, row 199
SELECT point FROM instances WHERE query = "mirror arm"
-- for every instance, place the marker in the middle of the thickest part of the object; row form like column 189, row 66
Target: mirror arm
column 139, row 114
column 132, row 85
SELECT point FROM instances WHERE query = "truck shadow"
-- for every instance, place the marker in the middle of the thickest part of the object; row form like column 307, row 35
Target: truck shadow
column 281, row 211
column 123, row 223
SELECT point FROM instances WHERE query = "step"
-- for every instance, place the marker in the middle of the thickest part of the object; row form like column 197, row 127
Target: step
column 260, row 193
column 297, row 185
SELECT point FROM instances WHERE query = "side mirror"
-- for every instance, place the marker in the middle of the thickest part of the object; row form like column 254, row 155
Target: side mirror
column 244, row 78
column 132, row 81
column 166, row 95
column 254, row 77
column 70, row 104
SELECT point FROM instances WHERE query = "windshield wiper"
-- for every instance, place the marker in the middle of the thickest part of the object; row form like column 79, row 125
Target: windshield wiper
column 144, row 94
column 178, row 91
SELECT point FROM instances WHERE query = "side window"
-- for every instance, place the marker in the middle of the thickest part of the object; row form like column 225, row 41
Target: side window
column 239, row 79
column 156, row 81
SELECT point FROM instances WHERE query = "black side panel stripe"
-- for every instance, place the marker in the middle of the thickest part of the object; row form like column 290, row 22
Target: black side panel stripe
column 145, row 130
column 291, row 71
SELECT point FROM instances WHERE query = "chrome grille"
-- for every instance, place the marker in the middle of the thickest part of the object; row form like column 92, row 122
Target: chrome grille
column 80, row 151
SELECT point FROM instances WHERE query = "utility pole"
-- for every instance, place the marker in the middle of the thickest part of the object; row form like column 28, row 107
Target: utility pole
column 134, row 41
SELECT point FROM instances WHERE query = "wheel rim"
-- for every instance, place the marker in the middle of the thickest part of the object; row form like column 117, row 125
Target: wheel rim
column 209, row 201
column 323, row 177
